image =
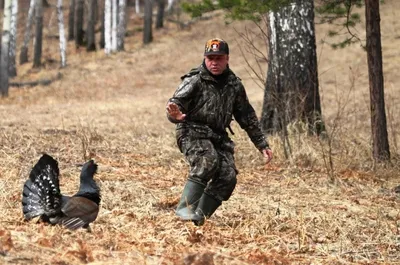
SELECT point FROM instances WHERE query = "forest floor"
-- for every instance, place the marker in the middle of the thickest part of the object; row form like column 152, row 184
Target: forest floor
column 298, row 210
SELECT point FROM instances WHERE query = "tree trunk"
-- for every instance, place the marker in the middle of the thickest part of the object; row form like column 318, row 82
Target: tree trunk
column 148, row 22
column 170, row 6
column 12, row 70
column 114, row 25
column 71, row 20
column 121, row 25
column 63, row 44
column 102, row 28
column 107, row 26
column 96, row 11
column 160, row 14
column 291, row 90
column 137, row 6
column 5, row 41
column 37, row 56
column 79, row 33
column 380, row 143
column 90, row 26
column 23, row 56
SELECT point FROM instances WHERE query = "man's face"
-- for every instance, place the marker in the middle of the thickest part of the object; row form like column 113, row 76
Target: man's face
column 216, row 64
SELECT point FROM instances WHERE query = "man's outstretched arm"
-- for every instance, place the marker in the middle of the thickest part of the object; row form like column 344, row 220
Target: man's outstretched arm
column 174, row 113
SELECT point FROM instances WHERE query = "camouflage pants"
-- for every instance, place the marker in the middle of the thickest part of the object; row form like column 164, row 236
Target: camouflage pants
column 211, row 164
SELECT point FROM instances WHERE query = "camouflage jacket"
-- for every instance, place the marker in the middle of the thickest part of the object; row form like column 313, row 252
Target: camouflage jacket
column 210, row 107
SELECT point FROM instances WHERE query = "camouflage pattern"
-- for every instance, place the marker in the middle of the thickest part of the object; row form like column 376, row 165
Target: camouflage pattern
column 211, row 162
column 210, row 105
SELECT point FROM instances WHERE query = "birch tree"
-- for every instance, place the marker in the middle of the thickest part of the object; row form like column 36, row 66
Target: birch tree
column 114, row 25
column 37, row 55
column 292, row 90
column 23, row 56
column 121, row 25
column 5, row 41
column 137, row 7
column 102, row 27
column 170, row 5
column 12, row 70
column 63, row 44
column 107, row 26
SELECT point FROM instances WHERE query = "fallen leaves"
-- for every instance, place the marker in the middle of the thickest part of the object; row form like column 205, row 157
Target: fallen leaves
column 6, row 243
column 81, row 251
column 205, row 258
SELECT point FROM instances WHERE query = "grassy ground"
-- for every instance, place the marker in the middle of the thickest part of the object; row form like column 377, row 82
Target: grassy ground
column 111, row 108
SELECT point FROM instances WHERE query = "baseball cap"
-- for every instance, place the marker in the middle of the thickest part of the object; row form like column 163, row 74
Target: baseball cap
column 216, row 46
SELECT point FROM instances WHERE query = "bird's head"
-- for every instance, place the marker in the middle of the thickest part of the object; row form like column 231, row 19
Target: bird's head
column 88, row 184
column 89, row 169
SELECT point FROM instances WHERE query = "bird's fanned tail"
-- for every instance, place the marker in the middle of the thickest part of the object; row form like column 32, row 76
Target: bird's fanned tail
column 41, row 193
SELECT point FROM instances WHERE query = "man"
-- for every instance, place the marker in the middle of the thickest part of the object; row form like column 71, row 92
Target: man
column 203, row 107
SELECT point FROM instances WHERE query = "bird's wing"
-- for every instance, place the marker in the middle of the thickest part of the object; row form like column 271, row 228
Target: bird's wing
column 79, row 212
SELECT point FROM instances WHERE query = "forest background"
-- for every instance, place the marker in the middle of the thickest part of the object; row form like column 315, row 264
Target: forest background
column 300, row 210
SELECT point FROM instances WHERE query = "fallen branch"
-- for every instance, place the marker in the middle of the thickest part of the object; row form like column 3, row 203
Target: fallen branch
column 43, row 82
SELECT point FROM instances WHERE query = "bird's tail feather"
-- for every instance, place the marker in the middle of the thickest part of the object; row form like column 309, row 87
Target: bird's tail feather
column 41, row 193
column 73, row 223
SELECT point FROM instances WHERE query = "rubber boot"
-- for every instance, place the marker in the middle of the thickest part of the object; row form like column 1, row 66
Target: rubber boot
column 206, row 207
column 189, row 200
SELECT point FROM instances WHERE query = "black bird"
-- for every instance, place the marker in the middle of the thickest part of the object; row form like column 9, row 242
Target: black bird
column 41, row 196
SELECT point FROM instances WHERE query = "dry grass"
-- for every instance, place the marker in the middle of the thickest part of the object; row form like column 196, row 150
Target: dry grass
column 112, row 109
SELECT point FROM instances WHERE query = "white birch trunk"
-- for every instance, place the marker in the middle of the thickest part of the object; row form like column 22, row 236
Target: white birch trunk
column 13, row 38
column 107, row 26
column 121, row 25
column 5, row 41
column 137, row 6
column 63, row 45
column 170, row 4
column 291, row 90
column 114, row 25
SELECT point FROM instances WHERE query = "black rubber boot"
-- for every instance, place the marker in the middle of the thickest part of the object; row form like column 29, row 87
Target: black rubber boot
column 189, row 200
column 206, row 207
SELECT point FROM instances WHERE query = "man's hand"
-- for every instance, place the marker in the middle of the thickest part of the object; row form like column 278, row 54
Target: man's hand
column 267, row 153
column 174, row 112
